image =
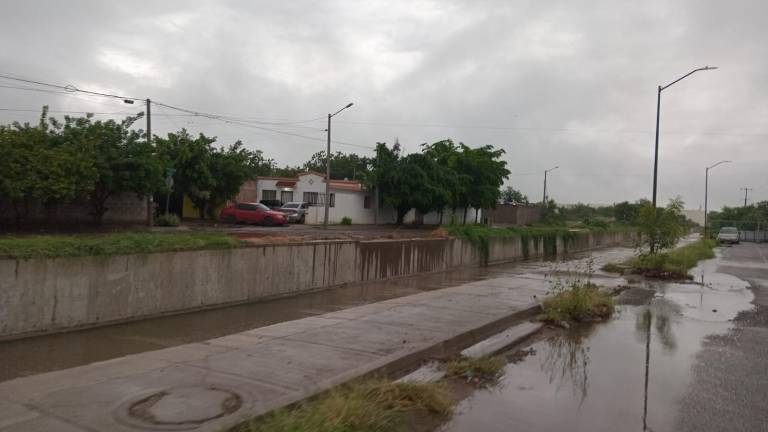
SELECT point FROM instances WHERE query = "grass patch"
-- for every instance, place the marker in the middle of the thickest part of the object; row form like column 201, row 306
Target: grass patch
column 363, row 406
column 667, row 265
column 619, row 268
column 580, row 302
column 482, row 369
column 53, row 246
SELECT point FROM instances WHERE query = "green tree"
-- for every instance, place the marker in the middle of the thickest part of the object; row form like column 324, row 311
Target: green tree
column 455, row 183
column 122, row 162
column 343, row 166
column 209, row 176
column 487, row 171
column 191, row 158
column 662, row 228
column 40, row 164
column 510, row 195
column 230, row 168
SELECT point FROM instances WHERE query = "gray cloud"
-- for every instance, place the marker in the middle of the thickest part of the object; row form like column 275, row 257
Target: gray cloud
column 569, row 83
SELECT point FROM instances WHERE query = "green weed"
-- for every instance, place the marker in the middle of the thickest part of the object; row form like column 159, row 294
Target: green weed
column 363, row 406
column 483, row 368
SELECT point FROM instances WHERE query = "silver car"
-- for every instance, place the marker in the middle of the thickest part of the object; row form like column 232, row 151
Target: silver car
column 296, row 211
column 728, row 235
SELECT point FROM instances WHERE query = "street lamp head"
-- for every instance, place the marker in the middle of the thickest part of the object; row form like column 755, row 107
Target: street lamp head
column 349, row 105
column 128, row 101
column 709, row 68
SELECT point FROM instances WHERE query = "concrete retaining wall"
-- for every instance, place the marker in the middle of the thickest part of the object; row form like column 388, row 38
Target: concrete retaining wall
column 49, row 295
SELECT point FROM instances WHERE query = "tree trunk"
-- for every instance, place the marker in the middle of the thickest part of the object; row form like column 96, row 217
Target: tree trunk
column 465, row 216
column 98, row 206
column 401, row 212
column 441, row 217
column 475, row 216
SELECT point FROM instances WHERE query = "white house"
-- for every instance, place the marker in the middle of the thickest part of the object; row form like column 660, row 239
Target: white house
column 348, row 198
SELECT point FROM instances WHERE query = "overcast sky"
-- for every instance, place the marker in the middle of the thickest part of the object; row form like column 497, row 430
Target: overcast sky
column 569, row 83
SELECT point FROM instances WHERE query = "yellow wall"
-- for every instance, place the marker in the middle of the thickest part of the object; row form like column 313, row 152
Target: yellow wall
column 189, row 211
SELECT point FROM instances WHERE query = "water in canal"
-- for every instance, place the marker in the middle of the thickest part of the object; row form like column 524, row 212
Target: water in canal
column 627, row 374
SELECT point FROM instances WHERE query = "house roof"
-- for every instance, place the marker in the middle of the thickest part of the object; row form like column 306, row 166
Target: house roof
column 349, row 185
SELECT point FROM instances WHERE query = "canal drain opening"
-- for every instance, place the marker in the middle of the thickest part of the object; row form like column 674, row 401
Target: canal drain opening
column 180, row 408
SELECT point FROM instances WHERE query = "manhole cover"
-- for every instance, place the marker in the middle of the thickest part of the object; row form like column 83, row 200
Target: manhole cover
column 180, row 408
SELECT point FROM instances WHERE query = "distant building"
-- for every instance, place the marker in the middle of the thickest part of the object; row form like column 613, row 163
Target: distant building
column 695, row 215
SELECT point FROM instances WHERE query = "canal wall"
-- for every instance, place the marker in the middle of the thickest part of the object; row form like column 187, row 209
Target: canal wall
column 51, row 295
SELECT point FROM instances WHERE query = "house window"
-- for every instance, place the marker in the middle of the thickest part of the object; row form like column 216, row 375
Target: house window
column 317, row 199
column 286, row 196
column 269, row 194
column 311, row 198
column 367, row 202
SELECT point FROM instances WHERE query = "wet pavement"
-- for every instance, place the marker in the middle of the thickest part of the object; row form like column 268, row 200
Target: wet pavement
column 675, row 357
column 61, row 351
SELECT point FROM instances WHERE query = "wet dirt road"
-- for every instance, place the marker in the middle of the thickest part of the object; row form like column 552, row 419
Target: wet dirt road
column 47, row 353
column 676, row 357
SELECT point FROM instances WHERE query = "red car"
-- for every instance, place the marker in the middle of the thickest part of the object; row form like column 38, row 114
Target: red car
column 252, row 213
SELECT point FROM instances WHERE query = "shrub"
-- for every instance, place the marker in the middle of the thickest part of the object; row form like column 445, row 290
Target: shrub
column 364, row 406
column 168, row 220
column 577, row 299
column 581, row 302
column 346, row 220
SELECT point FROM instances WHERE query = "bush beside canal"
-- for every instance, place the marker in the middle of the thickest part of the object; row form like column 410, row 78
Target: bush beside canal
column 667, row 265
column 364, row 406
column 580, row 302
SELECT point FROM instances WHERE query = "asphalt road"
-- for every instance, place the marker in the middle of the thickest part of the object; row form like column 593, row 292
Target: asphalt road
column 729, row 391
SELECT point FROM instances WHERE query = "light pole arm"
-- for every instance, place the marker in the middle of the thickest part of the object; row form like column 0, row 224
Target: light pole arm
column 687, row 75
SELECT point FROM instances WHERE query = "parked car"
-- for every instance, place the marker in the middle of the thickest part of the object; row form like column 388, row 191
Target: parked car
column 728, row 235
column 296, row 211
column 256, row 213
column 273, row 204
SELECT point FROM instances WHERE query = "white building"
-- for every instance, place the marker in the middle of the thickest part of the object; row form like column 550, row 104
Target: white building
column 348, row 199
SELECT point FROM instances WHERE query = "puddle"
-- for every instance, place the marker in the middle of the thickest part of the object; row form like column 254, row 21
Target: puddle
column 627, row 374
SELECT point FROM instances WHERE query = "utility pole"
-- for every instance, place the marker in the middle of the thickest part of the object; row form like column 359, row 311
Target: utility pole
column 149, row 141
column 746, row 192
column 544, row 200
column 328, row 167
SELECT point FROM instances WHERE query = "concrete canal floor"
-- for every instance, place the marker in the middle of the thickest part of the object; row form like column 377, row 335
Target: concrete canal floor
column 65, row 350
column 707, row 362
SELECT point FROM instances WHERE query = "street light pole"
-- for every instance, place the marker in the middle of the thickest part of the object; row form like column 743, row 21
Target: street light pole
column 328, row 167
column 706, row 191
column 658, row 114
column 544, row 200
column 149, row 141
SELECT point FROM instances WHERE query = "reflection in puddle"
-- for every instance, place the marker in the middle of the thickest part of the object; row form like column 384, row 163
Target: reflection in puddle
column 627, row 374
column 566, row 360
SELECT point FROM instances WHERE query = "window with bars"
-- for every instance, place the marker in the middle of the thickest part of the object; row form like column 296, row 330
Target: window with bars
column 318, row 199
column 367, row 202
column 269, row 194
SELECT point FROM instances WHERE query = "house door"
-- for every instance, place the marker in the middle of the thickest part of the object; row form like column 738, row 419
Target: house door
column 286, row 196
